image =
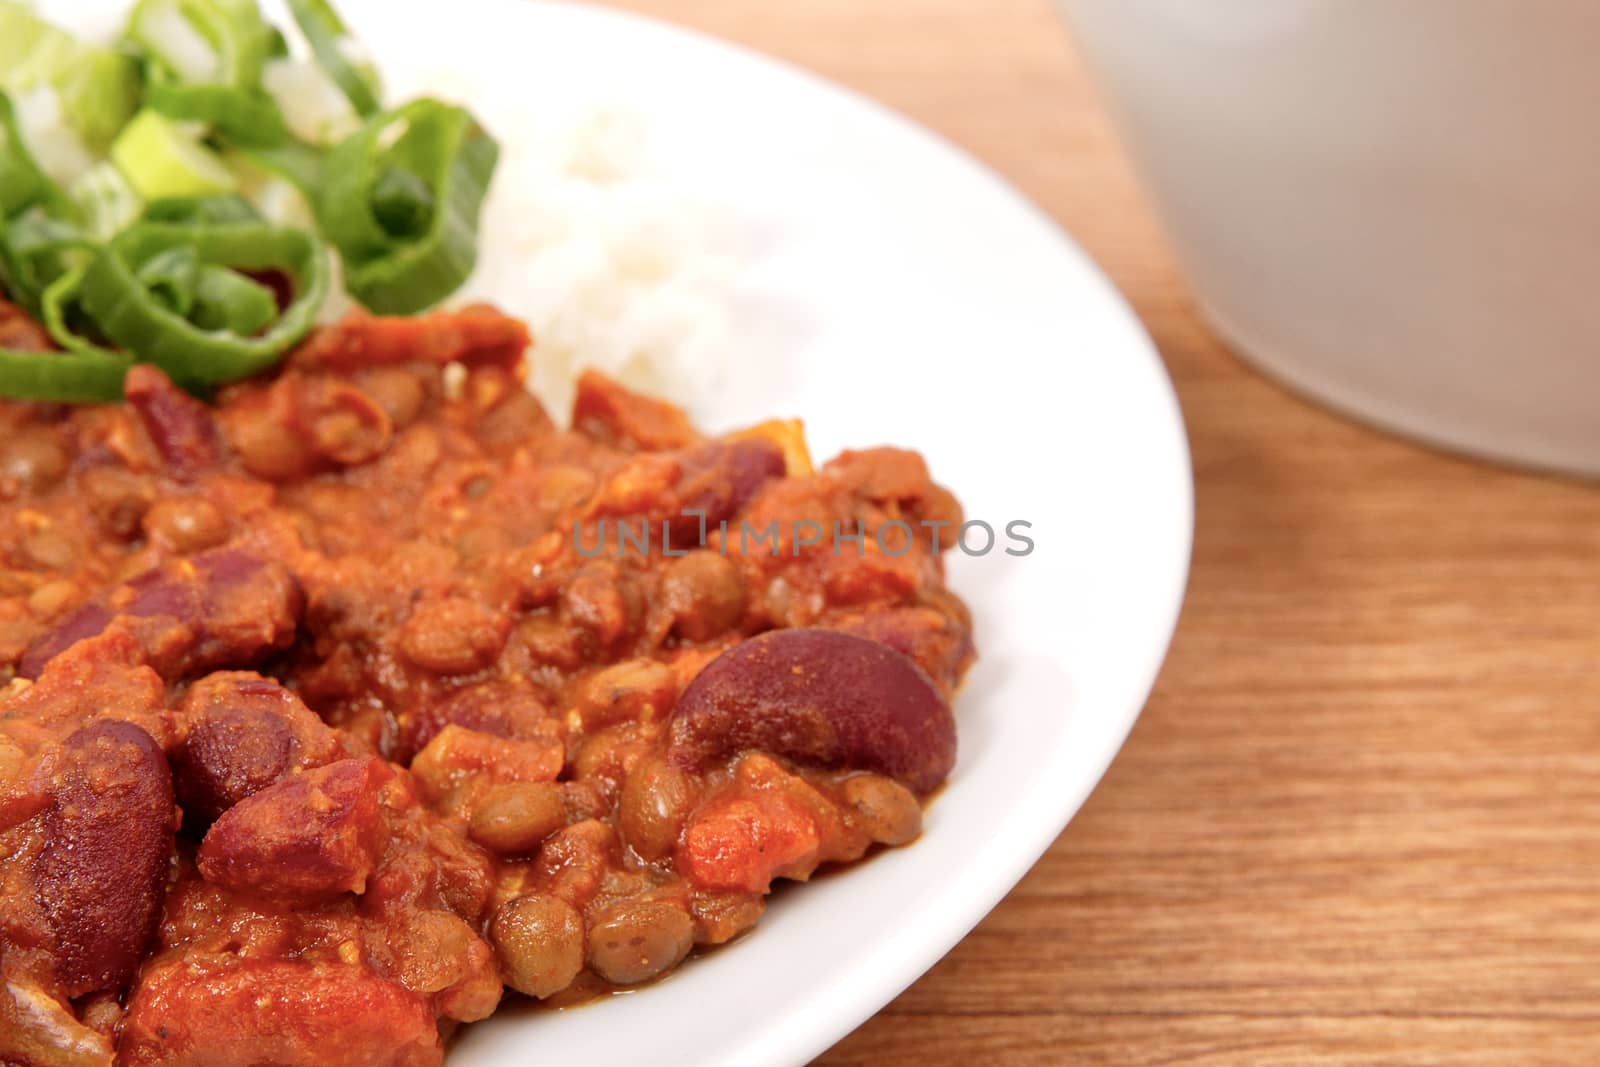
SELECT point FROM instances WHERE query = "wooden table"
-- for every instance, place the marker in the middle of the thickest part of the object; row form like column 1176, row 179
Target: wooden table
column 1357, row 823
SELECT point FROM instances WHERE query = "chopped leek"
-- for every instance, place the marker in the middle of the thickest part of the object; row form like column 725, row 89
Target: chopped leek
column 106, row 201
column 401, row 200
column 228, row 342
column 98, row 87
column 161, row 160
column 335, row 50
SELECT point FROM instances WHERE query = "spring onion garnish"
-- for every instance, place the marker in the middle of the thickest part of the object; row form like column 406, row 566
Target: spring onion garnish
column 401, row 200
column 98, row 87
column 244, row 116
column 160, row 290
column 333, row 46
column 203, row 42
column 162, row 159
column 135, row 182
column 106, row 201
column 62, row 377
column 22, row 182
column 35, row 250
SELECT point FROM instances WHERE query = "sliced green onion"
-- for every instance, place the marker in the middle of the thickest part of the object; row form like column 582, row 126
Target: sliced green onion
column 170, row 277
column 162, row 160
column 332, row 44
column 372, row 175
column 62, row 377
column 402, row 203
column 36, row 249
column 106, row 201
column 294, row 161
column 228, row 301
column 23, row 183
column 116, row 298
column 244, row 116
column 202, row 210
column 98, row 87
column 68, row 323
column 204, row 42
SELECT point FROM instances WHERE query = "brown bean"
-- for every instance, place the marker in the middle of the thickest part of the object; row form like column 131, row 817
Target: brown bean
column 103, row 870
column 517, row 816
column 186, row 524
column 455, row 635
column 53, row 598
column 47, row 547
column 705, row 594
column 635, row 690
column 264, row 433
column 397, row 390
column 721, row 917
column 347, row 426
column 541, row 944
column 34, row 460
column 885, row 810
column 637, row 940
column 655, row 801
column 117, row 499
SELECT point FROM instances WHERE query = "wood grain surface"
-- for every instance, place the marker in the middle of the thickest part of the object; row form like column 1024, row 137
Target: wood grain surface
column 1357, row 822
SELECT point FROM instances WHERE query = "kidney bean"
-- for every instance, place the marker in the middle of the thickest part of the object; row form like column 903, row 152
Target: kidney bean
column 309, row 837
column 634, row 941
column 720, row 478
column 819, row 697
column 181, row 427
column 243, row 733
column 496, row 707
column 540, row 939
column 108, row 836
column 223, row 606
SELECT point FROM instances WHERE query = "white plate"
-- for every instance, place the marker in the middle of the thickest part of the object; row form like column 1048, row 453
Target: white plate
column 900, row 293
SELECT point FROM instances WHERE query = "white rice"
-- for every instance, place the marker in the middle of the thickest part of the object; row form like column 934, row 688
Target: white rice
column 612, row 266
column 610, row 263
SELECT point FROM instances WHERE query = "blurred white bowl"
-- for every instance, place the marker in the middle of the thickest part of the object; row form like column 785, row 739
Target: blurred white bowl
column 1394, row 207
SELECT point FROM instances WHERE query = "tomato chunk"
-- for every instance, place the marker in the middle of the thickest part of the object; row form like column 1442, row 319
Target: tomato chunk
column 220, row 1011
column 744, row 841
